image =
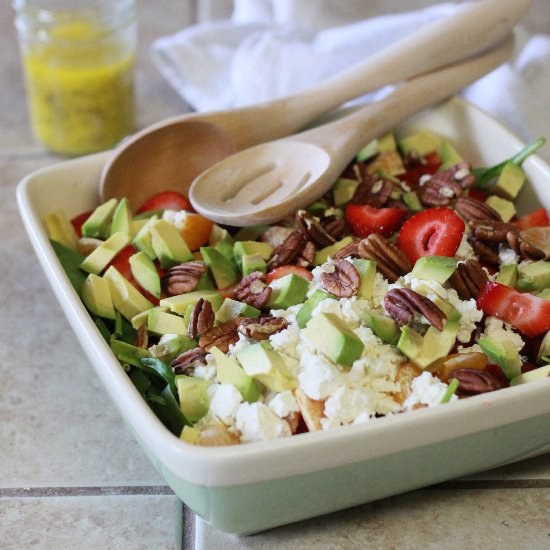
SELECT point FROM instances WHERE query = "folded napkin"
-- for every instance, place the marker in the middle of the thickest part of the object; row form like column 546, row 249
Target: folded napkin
column 267, row 50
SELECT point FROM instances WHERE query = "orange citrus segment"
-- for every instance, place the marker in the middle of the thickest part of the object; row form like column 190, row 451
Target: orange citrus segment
column 196, row 230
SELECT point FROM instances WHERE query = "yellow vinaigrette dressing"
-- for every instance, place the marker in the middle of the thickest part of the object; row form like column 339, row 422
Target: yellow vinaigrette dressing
column 80, row 88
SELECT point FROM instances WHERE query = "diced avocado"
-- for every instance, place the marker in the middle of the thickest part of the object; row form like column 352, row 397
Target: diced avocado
column 59, row 228
column 170, row 346
column 98, row 260
column 193, row 397
column 251, row 263
column 267, row 366
column 343, row 190
column 424, row 350
column 126, row 298
column 230, row 372
column 504, row 354
column 504, row 207
column 161, row 322
column 545, row 294
column 232, row 308
column 168, row 244
column 318, row 207
column 122, row 219
column 178, row 304
column 217, row 234
column 412, row 201
column 384, row 327
column 137, row 225
column 328, row 252
column 225, row 248
column 223, row 270
column 533, row 276
column 205, row 282
column 190, row 434
column 127, row 353
column 422, row 142
column 449, row 155
column 367, row 272
column 387, row 163
column 434, row 268
column 509, row 182
column 386, row 142
column 288, row 291
column 98, row 223
column 96, row 295
column 543, row 355
column 143, row 240
column 304, row 314
column 145, row 273
column 368, row 151
column 251, row 233
column 330, row 335
column 245, row 248
column 508, row 275
column 531, row 376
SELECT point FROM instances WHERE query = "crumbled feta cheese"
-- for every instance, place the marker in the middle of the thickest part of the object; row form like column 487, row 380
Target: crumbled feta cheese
column 426, row 390
column 289, row 314
column 470, row 315
column 507, row 255
column 176, row 217
column 225, row 402
column 318, row 376
column 257, row 422
column 283, row 404
column 287, row 341
column 465, row 251
column 346, row 404
column 499, row 330
column 241, row 343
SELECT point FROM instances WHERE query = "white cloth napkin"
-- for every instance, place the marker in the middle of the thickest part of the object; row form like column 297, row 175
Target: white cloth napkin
column 266, row 50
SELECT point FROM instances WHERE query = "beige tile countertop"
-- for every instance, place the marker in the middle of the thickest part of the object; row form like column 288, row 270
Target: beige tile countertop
column 71, row 474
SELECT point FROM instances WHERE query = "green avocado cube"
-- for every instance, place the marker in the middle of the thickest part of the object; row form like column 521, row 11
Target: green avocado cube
column 504, row 354
column 144, row 240
column 168, row 244
column 288, row 291
column 178, row 304
column 193, row 397
column 246, row 248
column 60, row 229
column 218, row 234
column 122, row 219
column 161, row 322
column 96, row 295
column 449, row 155
column 343, row 190
column 504, row 207
column 328, row 252
column 99, row 258
column 127, row 353
column 232, row 308
column 545, row 294
column 330, row 335
column 367, row 272
column 223, row 269
column 145, row 273
column 230, row 372
column 508, row 275
column 304, row 313
column 434, row 268
column 170, row 346
column 412, row 201
column 509, row 182
column 384, row 327
column 422, row 142
column 533, row 276
column 251, row 263
column 97, row 224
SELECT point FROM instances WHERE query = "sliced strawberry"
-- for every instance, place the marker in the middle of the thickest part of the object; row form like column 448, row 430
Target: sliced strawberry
column 537, row 218
column 363, row 219
column 431, row 232
column 122, row 264
column 284, row 270
column 478, row 195
column 527, row 313
column 416, row 171
column 166, row 200
column 79, row 220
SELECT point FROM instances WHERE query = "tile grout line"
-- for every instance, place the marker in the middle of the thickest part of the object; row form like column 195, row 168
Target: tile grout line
column 117, row 490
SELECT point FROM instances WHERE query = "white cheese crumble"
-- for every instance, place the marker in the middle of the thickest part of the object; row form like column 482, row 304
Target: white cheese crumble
column 318, row 376
column 465, row 250
column 507, row 255
column 427, row 390
column 225, row 402
column 257, row 422
column 176, row 217
column 283, row 404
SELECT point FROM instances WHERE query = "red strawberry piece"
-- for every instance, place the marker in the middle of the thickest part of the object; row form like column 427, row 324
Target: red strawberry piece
column 121, row 262
column 478, row 195
column 166, row 200
column 537, row 218
column 363, row 219
column 527, row 313
column 284, row 270
column 79, row 220
column 431, row 232
column 416, row 171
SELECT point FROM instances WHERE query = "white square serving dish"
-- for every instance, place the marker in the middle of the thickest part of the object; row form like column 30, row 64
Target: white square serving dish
column 247, row 488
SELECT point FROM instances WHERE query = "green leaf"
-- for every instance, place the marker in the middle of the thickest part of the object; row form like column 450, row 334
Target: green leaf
column 160, row 368
column 70, row 261
column 485, row 176
column 167, row 409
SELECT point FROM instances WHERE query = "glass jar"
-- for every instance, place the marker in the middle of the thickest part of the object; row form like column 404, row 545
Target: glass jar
column 78, row 58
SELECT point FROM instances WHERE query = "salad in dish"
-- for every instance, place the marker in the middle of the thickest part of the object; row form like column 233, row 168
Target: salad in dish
column 411, row 284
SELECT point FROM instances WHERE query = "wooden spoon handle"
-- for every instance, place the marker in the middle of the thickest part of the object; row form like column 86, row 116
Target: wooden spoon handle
column 472, row 30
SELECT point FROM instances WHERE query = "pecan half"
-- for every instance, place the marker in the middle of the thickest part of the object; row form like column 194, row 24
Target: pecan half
column 188, row 360
column 334, row 226
column 221, row 336
column 373, row 190
column 183, row 278
column 468, row 279
column 351, row 249
column 142, row 337
column 253, row 290
column 526, row 250
column 390, row 260
column 202, row 318
column 262, row 328
column 472, row 209
column 475, row 381
column 443, row 187
column 287, row 252
column 402, row 303
column 312, row 230
column 306, row 256
column 341, row 279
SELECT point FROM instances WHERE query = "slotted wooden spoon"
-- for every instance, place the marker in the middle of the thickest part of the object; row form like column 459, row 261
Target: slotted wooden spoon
column 170, row 154
column 270, row 181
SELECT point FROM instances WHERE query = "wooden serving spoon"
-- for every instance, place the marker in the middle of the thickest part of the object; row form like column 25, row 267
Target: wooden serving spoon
column 171, row 153
column 270, row 181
